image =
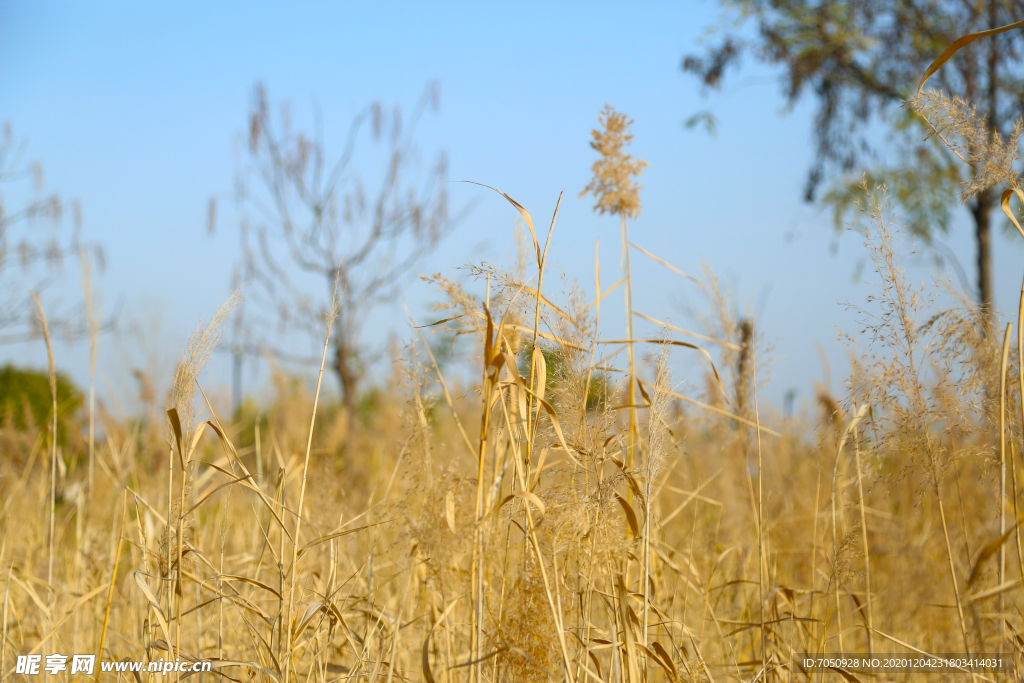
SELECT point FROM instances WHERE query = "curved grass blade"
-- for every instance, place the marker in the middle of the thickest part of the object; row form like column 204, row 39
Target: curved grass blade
column 154, row 603
column 337, row 534
column 669, row 326
column 674, row 342
column 723, row 413
column 630, row 515
column 218, row 488
column 959, row 43
column 520, row 209
column 251, row 582
column 666, row 264
column 1004, row 203
column 526, row 495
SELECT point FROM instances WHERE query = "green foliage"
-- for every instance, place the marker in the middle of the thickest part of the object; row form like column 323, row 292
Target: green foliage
column 861, row 61
column 922, row 191
column 26, row 402
column 369, row 403
column 248, row 415
column 559, row 374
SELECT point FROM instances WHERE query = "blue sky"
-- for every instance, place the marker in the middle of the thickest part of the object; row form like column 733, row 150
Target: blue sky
column 134, row 108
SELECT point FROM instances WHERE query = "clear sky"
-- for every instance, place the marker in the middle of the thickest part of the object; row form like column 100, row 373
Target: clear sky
column 134, row 107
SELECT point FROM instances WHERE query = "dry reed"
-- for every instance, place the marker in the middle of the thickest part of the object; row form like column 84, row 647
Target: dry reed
column 567, row 538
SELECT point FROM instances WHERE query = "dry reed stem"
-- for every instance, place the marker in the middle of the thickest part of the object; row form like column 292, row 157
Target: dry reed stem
column 542, row 262
column 868, row 596
column 53, row 449
column 293, row 574
column 761, row 559
column 1020, row 397
column 1002, row 468
column 113, row 577
column 93, row 347
column 629, row 348
column 3, row 626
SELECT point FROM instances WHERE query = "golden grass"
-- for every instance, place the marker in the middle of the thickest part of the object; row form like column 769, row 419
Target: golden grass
column 532, row 551
column 531, row 527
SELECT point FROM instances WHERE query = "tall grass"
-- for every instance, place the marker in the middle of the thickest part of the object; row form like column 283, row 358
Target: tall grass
column 583, row 532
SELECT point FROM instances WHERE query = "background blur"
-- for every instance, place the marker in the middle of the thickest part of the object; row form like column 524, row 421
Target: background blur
column 140, row 113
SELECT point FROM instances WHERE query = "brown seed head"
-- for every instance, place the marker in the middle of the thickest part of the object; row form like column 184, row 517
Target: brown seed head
column 613, row 183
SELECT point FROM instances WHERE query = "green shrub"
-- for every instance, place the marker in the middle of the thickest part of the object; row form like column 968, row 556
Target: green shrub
column 25, row 401
column 558, row 372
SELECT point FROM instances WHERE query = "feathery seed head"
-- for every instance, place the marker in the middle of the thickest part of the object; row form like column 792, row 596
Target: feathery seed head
column 613, row 184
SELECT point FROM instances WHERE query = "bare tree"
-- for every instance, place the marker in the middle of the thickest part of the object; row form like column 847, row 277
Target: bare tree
column 309, row 225
column 34, row 246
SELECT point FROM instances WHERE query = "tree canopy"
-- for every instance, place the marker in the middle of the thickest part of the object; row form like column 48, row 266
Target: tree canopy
column 860, row 60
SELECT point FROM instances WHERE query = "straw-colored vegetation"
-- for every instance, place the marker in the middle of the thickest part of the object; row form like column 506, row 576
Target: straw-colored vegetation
column 570, row 514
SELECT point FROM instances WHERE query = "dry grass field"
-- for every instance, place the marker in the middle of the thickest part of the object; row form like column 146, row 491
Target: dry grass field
column 568, row 514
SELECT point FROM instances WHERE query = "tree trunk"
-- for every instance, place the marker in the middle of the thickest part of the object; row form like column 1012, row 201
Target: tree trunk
column 982, row 213
column 348, row 376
